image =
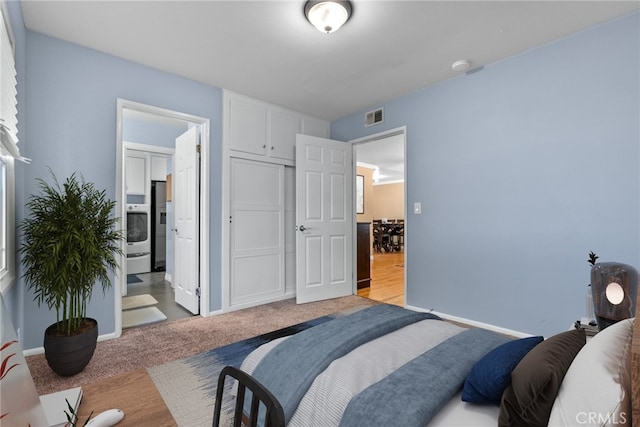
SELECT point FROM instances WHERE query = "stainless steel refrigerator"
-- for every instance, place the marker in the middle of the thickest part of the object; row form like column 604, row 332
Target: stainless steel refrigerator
column 158, row 225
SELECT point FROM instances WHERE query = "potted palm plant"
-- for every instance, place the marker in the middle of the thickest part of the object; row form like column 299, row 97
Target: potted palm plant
column 69, row 242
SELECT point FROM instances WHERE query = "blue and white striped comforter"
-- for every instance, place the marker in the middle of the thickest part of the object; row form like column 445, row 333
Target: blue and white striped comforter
column 374, row 363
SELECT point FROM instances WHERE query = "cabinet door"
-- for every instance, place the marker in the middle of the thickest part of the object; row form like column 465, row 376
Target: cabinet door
column 136, row 173
column 315, row 127
column 284, row 127
column 363, row 256
column 247, row 126
column 158, row 168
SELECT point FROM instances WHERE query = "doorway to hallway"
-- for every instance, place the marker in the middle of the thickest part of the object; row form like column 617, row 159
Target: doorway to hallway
column 382, row 205
column 387, row 279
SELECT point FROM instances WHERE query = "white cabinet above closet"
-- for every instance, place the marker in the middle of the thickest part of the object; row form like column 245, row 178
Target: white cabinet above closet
column 248, row 126
column 314, row 127
column 264, row 132
column 282, row 136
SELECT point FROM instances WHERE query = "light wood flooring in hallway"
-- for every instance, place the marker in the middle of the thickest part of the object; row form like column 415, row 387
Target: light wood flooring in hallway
column 387, row 279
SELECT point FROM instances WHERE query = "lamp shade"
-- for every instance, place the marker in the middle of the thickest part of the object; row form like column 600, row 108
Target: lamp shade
column 615, row 289
column 328, row 15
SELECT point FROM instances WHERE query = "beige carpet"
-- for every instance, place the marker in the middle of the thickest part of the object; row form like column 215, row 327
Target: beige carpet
column 137, row 301
column 163, row 342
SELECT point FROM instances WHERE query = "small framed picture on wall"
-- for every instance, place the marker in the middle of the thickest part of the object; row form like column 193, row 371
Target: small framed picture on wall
column 360, row 194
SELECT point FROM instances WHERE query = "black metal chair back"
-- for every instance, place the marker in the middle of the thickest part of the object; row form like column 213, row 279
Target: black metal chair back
column 260, row 396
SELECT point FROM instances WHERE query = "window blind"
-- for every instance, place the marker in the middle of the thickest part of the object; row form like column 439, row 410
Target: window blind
column 8, row 92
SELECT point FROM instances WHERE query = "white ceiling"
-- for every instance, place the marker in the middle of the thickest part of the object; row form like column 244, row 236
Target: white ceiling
column 267, row 50
column 385, row 157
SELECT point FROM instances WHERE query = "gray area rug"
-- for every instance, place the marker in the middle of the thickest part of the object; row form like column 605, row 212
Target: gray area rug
column 142, row 316
column 188, row 386
column 136, row 301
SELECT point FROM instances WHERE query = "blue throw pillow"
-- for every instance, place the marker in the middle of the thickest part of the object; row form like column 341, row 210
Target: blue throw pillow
column 492, row 374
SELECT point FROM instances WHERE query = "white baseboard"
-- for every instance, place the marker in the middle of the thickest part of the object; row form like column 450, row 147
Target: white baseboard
column 488, row 326
column 168, row 277
column 214, row 313
column 33, row 351
column 256, row 303
column 40, row 350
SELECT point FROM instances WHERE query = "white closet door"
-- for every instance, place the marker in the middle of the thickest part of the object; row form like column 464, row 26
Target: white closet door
column 290, row 229
column 257, row 231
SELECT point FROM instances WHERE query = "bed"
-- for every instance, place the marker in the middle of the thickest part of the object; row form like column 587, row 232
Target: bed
column 385, row 365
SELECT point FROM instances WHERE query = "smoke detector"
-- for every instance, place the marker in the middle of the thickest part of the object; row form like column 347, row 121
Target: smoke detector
column 461, row 65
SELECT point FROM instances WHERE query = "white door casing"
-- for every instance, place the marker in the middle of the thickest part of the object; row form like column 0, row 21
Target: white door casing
column 324, row 218
column 257, row 231
column 186, row 211
column 122, row 107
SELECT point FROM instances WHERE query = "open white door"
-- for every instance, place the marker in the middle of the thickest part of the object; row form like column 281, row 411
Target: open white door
column 324, row 219
column 186, row 207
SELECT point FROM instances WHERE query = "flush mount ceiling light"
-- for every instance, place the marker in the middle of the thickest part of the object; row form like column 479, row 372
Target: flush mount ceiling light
column 327, row 15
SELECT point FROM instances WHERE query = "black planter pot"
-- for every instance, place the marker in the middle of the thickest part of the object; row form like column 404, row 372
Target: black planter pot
column 68, row 355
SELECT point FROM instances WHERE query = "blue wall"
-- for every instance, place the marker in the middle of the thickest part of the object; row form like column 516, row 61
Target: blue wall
column 152, row 133
column 71, row 117
column 522, row 168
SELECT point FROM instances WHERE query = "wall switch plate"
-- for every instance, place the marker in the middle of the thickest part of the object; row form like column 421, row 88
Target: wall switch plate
column 417, row 208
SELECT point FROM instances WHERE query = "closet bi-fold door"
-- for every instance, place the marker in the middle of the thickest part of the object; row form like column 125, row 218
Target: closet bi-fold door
column 257, row 231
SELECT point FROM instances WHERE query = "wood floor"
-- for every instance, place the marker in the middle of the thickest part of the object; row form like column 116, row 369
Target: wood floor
column 132, row 392
column 387, row 278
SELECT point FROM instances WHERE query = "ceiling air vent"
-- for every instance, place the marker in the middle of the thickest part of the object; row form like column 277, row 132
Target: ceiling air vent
column 374, row 117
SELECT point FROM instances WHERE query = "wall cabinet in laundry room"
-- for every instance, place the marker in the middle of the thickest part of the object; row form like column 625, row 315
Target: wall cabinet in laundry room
column 137, row 163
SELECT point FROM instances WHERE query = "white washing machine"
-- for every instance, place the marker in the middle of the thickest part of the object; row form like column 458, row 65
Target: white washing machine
column 138, row 238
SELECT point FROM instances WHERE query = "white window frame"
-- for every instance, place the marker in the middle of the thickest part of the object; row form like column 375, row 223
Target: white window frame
column 7, row 214
column 9, row 152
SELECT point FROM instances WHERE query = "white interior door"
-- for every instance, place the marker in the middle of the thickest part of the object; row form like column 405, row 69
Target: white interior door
column 186, row 207
column 257, row 231
column 324, row 218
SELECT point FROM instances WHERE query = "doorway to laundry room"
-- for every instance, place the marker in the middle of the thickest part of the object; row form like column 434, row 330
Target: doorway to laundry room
column 161, row 277
column 149, row 296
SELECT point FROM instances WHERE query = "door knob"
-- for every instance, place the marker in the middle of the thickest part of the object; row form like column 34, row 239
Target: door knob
column 302, row 228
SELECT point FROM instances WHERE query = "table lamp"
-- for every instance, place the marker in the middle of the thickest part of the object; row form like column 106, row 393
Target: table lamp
column 615, row 289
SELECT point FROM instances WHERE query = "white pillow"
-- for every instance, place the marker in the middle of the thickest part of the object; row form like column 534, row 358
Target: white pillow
column 596, row 391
